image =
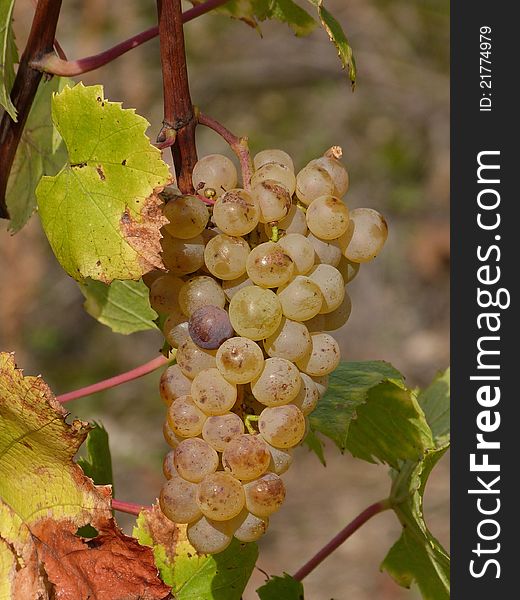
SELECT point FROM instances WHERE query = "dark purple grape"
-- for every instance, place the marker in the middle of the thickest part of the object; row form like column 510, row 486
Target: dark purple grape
column 209, row 326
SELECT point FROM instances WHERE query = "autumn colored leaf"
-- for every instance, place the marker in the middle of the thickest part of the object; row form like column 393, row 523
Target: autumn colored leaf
column 45, row 497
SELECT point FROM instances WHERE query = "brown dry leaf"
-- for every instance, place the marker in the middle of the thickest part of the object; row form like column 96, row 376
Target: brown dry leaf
column 45, row 498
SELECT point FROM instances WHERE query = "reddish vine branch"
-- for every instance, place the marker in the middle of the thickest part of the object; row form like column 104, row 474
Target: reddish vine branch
column 128, row 507
column 239, row 146
column 343, row 535
column 50, row 63
column 40, row 42
column 106, row 384
column 179, row 117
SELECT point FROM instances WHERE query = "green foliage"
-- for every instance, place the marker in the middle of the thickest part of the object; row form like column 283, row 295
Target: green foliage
column 124, row 306
column 281, row 588
column 8, row 56
column 338, row 38
column 98, row 463
column 40, row 152
column 435, row 402
column 100, row 213
column 194, row 576
column 285, row 11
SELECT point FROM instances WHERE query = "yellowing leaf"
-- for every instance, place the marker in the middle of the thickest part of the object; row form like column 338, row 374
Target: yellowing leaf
column 101, row 213
column 45, row 498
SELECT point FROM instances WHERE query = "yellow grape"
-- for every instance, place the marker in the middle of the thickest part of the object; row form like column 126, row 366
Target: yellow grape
column 323, row 358
column 226, row 256
column 279, row 382
column 182, row 256
column 366, row 235
column 187, row 216
column 301, row 299
column 214, row 173
column 290, row 341
column 185, row 418
column 255, row 312
column 198, row 291
column 213, row 394
column 236, row 212
column 268, row 265
column 265, row 157
column 327, row 217
column 240, row 360
column 220, row 496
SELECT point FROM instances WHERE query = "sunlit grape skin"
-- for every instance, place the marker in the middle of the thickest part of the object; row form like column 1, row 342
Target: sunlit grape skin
column 264, row 496
column 300, row 299
column 209, row 537
column 215, row 172
column 178, row 500
column 173, row 384
column 282, row 426
column 278, row 384
column 226, row 256
column 220, row 496
column 240, row 360
column 236, row 212
column 185, row 418
column 246, row 457
column 366, row 236
column 213, row 394
column 290, row 341
column 327, row 217
column 194, row 459
column 268, row 265
column 219, row 430
column 323, row 358
column 199, row 291
column 187, row 216
column 255, row 312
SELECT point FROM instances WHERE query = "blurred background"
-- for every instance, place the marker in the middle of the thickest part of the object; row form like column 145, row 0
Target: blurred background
column 290, row 93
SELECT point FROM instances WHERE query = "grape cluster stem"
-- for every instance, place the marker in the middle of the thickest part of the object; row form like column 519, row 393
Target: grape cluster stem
column 148, row 367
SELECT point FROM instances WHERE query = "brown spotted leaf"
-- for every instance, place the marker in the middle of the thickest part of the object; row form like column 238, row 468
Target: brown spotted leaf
column 45, row 498
column 101, row 212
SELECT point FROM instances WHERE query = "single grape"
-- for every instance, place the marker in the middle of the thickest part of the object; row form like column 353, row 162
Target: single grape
column 327, row 217
column 173, row 384
column 273, row 199
column 337, row 172
column 275, row 172
column 308, row 396
column 175, row 331
column 249, row 527
column 194, row 459
column 322, row 383
column 192, row 359
column 265, row 496
column 337, row 318
column 278, row 384
column 324, row 358
column 178, row 500
column 182, row 256
column 265, row 157
column 269, row 266
column 290, row 341
column 170, row 437
column 232, row 286
column 151, row 276
column 219, row 430
column 185, row 418
column 240, row 360
column 226, row 256
column 281, row 459
column 300, row 299
column 187, row 216
column 209, row 326
column 236, row 212
column 209, row 537
column 212, row 393
column 214, row 173
column 312, row 182
column 366, row 236
column 246, row 457
column 326, row 252
column 348, row 269
column 301, row 251
column 198, row 291
column 168, row 466
column 294, row 222
column 282, row 426
column 331, row 284
column 220, row 496
column 164, row 294
column 255, row 312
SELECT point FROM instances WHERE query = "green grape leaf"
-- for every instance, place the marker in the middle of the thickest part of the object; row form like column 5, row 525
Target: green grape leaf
column 194, row 576
column 124, row 306
column 8, row 56
column 40, row 152
column 252, row 11
column 435, row 402
column 281, row 588
column 101, row 212
column 338, row 38
column 417, row 555
column 368, row 411
column 98, row 463
column 45, row 498
column 285, row 11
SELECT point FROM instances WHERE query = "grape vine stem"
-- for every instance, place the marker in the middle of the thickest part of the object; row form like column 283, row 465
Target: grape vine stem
column 106, row 384
column 128, row 507
column 50, row 63
column 239, row 146
column 343, row 535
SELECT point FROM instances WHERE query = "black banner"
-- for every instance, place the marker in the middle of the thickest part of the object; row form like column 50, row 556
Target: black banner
column 485, row 327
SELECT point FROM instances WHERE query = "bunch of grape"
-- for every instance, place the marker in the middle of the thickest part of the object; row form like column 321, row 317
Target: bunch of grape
column 255, row 283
